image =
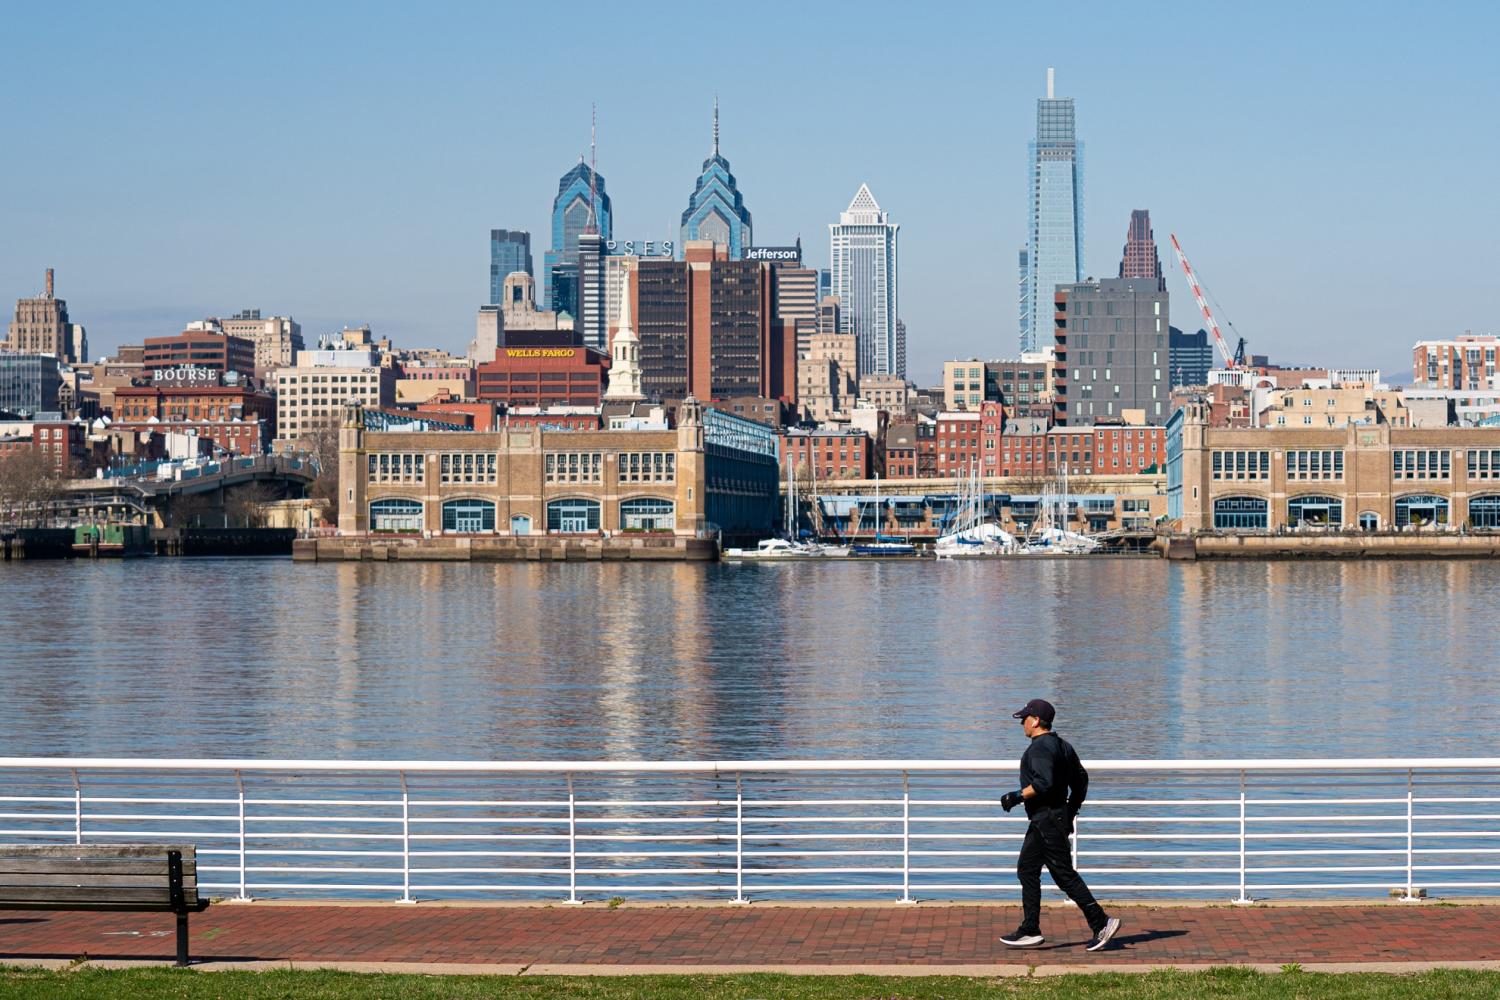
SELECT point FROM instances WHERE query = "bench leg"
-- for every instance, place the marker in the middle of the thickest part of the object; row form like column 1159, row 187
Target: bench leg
column 182, row 939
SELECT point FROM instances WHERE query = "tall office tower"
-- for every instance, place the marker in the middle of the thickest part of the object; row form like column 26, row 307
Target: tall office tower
column 592, row 317
column 510, row 251
column 1190, row 356
column 581, row 201
column 863, row 253
column 1140, row 259
column 901, row 347
column 277, row 339
column 717, row 211
column 41, row 326
column 1054, row 246
column 708, row 328
column 1112, row 351
column 797, row 300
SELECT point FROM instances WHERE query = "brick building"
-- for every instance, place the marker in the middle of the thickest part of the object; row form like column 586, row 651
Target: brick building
column 537, row 368
column 969, row 439
column 201, row 346
column 238, row 419
column 827, row 453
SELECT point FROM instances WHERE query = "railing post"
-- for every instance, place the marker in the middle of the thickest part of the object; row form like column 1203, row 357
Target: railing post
column 739, row 840
column 906, row 838
column 405, row 842
column 572, row 844
column 1244, row 897
column 1411, row 894
column 77, row 808
column 239, row 785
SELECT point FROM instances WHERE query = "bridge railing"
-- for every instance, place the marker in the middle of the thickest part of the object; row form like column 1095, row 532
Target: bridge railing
column 737, row 830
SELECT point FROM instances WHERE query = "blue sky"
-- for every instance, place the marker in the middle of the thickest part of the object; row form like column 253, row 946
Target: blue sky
column 1330, row 168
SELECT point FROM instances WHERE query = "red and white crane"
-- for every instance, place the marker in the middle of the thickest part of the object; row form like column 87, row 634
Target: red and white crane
column 1230, row 360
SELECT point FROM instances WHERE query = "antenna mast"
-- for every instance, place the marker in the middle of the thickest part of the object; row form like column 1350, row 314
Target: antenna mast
column 593, row 167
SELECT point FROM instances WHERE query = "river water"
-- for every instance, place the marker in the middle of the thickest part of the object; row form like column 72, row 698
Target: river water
column 1143, row 658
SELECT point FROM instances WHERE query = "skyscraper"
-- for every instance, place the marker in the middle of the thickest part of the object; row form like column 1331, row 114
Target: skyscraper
column 1140, row 259
column 1054, row 247
column 717, row 211
column 1112, row 351
column 510, row 251
column 580, row 198
column 863, row 253
column 41, row 326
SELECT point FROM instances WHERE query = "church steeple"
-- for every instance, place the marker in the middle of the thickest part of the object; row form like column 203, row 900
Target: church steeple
column 625, row 355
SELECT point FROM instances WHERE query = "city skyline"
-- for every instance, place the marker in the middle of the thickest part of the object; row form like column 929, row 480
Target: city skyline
column 1285, row 170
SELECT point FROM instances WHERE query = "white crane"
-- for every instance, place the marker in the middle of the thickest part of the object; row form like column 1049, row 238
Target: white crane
column 1231, row 360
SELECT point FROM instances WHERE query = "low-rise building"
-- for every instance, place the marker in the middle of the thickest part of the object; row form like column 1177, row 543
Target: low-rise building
column 543, row 368
column 891, row 393
column 826, row 453
column 1465, row 362
column 235, row 417
column 713, row 471
column 311, row 394
column 202, row 345
column 1361, row 476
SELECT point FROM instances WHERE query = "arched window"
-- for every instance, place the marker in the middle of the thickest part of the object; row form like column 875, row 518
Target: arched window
column 648, row 514
column 1369, row 521
column 1240, row 514
column 1316, row 512
column 468, row 516
column 396, row 514
column 1422, row 510
column 1484, row 512
column 572, row 514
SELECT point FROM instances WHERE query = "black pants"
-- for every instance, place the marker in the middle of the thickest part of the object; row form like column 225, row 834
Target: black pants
column 1046, row 843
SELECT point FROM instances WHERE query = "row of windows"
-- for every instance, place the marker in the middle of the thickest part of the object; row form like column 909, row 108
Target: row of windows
column 400, row 467
column 1242, row 465
column 575, row 467
column 1315, row 465
column 648, row 467
column 1421, row 510
column 468, row 467
column 1420, row 463
column 568, row 515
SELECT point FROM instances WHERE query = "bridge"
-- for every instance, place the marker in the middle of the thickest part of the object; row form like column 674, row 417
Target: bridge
column 146, row 493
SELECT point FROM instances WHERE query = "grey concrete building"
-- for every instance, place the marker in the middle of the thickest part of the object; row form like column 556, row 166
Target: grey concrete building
column 1112, row 353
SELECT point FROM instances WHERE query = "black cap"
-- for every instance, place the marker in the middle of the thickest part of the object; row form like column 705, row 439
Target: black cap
column 1041, row 709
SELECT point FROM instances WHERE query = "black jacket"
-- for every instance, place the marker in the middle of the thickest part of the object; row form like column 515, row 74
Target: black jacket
column 1051, row 766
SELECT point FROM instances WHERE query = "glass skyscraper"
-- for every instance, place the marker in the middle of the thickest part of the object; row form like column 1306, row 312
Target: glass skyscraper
column 1054, row 247
column 570, row 217
column 717, row 211
column 862, row 248
column 510, row 251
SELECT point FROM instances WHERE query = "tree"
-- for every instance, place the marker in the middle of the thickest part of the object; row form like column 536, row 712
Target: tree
column 245, row 505
column 321, row 443
column 29, row 484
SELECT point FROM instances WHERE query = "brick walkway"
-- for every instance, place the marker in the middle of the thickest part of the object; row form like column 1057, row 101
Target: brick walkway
column 761, row 935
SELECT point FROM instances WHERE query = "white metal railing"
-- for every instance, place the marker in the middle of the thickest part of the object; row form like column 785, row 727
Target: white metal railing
column 899, row 829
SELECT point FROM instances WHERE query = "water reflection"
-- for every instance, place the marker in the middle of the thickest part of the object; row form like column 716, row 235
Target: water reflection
column 1143, row 658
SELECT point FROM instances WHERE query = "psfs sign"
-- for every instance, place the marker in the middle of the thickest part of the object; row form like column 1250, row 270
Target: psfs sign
column 639, row 248
column 792, row 254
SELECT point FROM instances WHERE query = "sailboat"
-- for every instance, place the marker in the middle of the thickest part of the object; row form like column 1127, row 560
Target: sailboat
column 883, row 545
column 791, row 546
column 1054, row 540
column 971, row 535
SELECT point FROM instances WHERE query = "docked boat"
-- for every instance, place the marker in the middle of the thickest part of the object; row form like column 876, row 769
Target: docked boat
column 883, row 545
column 970, row 536
column 777, row 548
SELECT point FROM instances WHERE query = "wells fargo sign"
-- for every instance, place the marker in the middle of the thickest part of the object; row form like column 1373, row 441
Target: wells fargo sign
column 541, row 352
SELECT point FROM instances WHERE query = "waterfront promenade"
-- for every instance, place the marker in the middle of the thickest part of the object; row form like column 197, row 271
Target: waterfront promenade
column 891, row 939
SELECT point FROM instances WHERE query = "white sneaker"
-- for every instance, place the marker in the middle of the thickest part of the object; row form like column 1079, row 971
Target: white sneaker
column 1105, row 933
column 1020, row 939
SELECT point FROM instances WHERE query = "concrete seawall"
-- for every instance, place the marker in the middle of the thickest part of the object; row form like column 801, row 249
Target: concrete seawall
column 505, row 548
column 1416, row 545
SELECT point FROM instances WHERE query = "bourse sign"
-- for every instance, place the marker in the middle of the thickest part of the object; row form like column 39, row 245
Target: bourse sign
column 192, row 375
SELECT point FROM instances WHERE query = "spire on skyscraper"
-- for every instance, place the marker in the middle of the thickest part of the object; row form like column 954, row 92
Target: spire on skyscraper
column 716, row 124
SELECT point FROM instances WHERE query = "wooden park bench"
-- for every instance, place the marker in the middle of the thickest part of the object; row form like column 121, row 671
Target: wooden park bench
column 147, row 878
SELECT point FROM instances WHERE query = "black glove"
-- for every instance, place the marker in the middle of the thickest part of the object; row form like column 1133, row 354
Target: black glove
column 1010, row 800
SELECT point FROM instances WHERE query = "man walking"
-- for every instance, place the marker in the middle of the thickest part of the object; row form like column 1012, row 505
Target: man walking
column 1053, row 787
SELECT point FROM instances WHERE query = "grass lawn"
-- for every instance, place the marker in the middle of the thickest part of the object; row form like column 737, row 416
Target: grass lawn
column 1213, row 984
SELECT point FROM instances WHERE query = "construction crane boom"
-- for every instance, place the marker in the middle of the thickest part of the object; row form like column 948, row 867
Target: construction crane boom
column 1230, row 361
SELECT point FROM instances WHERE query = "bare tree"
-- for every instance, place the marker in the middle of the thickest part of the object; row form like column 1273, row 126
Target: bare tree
column 29, row 484
column 245, row 505
column 193, row 510
column 321, row 443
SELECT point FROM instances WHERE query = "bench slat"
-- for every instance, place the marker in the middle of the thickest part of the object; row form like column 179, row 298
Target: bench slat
column 102, row 866
column 85, row 895
column 189, row 851
column 29, row 879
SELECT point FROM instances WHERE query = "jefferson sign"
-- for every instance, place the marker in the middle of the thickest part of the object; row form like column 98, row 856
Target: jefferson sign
column 793, row 254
